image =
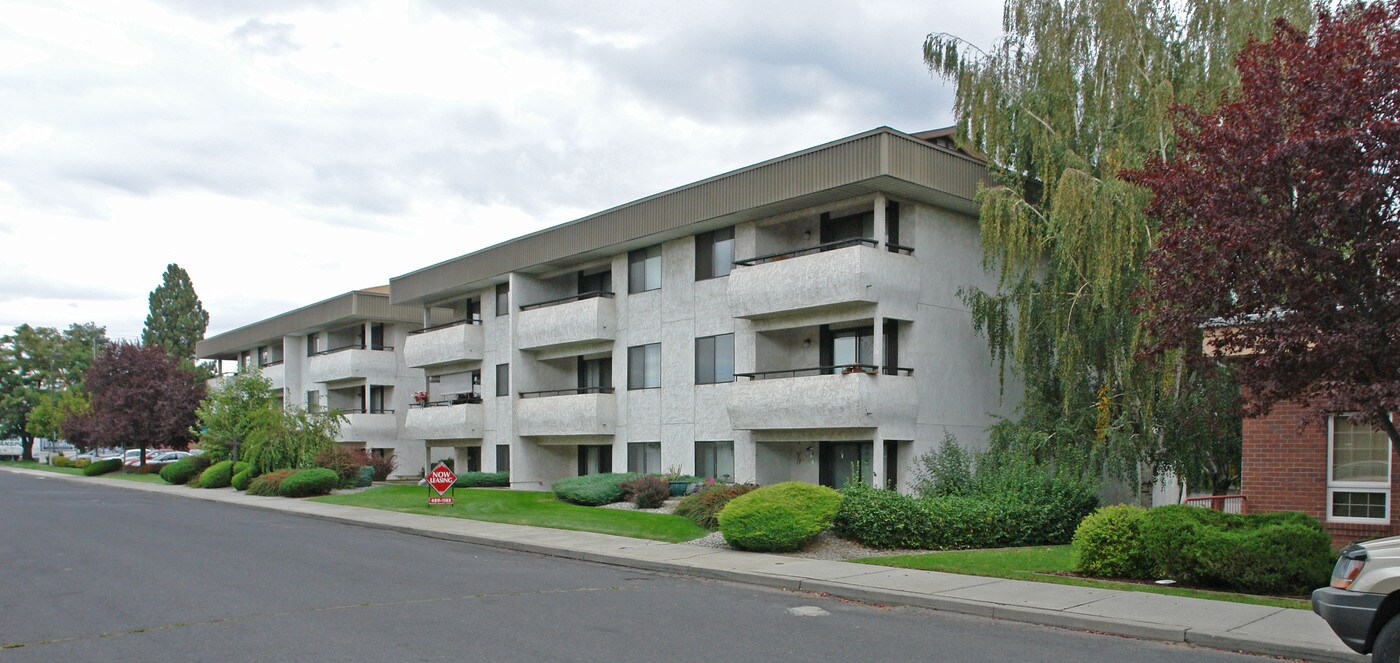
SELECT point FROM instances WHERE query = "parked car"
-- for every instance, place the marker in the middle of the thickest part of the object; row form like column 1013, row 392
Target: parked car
column 167, row 457
column 1362, row 605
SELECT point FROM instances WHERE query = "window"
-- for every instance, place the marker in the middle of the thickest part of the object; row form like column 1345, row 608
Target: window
column 644, row 366
column 1358, row 486
column 595, row 374
column 376, row 336
column 473, row 459
column 845, row 347
column 264, row 358
column 502, row 299
column 715, row 460
column 714, row 359
column 714, row 254
column 502, row 379
column 503, row 458
column 598, row 280
column 378, row 396
column 644, row 269
column 313, row 401
column 594, row 459
column 472, row 313
column 313, row 341
column 644, row 457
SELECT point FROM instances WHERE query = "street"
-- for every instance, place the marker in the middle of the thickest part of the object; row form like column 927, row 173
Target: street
column 96, row 573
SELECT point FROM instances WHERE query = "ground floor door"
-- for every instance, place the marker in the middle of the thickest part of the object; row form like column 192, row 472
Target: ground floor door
column 842, row 461
column 594, row 459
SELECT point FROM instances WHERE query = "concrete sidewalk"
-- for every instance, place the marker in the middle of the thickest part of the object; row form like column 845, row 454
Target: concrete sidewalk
column 1215, row 624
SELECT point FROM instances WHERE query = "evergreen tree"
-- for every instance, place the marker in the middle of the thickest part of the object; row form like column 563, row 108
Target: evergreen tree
column 1074, row 93
column 177, row 319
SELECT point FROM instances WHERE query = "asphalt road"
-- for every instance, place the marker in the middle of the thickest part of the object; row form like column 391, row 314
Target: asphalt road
column 103, row 574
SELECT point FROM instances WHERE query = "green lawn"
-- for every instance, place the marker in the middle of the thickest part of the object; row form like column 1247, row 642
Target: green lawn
column 35, row 465
column 1040, row 562
column 520, row 507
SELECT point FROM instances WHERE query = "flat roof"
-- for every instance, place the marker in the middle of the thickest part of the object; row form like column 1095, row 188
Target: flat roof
column 922, row 167
column 369, row 304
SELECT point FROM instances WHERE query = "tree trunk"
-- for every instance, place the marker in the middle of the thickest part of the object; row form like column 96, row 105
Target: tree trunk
column 26, row 446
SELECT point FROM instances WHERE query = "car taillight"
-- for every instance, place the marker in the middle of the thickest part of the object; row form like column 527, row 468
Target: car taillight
column 1348, row 566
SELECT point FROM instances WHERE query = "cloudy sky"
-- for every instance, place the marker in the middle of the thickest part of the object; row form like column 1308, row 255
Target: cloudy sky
column 283, row 152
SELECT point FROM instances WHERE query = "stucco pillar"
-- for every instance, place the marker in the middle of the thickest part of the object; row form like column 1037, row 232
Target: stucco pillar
column 879, row 228
column 877, row 462
column 877, row 356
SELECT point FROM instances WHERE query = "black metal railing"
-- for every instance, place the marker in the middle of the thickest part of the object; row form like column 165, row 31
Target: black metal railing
column 820, row 248
column 842, row 369
column 566, row 392
column 361, row 411
column 445, row 325
column 571, row 298
column 899, row 248
column 465, row 398
column 271, row 363
column 352, row 346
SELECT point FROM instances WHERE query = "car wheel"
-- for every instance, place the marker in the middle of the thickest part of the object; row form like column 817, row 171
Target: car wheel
column 1387, row 649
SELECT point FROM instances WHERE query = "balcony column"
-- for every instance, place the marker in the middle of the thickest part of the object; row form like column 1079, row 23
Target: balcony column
column 877, row 354
column 877, row 461
column 879, row 225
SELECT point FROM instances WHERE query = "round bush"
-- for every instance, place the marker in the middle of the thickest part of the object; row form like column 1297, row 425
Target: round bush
column 364, row 477
column 647, row 491
column 185, row 470
column 218, row 475
column 241, row 480
column 704, row 506
column 60, row 460
column 315, row 481
column 1272, row 553
column 780, row 517
column 267, row 485
column 103, row 467
column 591, row 489
column 1108, row 543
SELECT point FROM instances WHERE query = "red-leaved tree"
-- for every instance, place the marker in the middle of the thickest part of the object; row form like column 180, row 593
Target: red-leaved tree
column 141, row 397
column 1281, row 232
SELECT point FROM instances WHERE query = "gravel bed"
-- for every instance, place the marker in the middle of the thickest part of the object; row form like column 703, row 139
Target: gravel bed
column 669, row 506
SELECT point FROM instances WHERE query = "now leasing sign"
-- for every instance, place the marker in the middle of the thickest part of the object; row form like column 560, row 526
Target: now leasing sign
column 441, row 479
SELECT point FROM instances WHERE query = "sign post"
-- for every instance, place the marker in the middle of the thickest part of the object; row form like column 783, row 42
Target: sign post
column 440, row 480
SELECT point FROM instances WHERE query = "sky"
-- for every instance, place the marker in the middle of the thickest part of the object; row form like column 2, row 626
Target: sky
column 286, row 151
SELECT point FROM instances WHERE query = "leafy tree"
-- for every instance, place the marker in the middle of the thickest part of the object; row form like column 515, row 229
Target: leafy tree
column 1281, row 221
column 177, row 320
column 40, row 361
column 1072, row 94
column 289, row 438
column 141, row 396
column 50, row 415
column 232, row 410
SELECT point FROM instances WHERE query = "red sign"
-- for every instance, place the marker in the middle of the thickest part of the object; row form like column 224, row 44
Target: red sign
column 441, row 478
column 440, row 500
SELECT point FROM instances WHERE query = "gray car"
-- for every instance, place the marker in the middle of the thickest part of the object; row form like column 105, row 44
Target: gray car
column 1362, row 605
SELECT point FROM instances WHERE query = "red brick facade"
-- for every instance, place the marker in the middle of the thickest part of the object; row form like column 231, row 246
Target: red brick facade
column 1285, row 469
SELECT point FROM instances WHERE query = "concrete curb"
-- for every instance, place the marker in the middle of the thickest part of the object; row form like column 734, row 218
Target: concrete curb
column 838, row 588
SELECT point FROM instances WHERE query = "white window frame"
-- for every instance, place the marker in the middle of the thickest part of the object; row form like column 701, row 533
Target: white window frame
column 1356, row 486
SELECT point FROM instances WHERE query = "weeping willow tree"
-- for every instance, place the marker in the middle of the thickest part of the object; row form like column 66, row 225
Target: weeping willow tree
column 1073, row 93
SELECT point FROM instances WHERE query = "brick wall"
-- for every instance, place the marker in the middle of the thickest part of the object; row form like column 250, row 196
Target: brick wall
column 1285, row 469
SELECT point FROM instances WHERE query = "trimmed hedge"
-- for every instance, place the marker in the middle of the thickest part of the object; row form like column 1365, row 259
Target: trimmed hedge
column 1270, row 553
column 780, row 517
column 1108, row 544
column 315, row 481
column 60, row 460
column 888, row 519
column 186, row 469
column 268, row 483
column 81, row 463
column 592, row 489
column 704, row 506
column 241, row 480
column 482, row 480
column 103, row 467
column 218, row 475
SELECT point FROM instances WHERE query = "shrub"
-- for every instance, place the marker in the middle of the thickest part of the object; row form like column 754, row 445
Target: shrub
column 1258, row 553
column 944, row 471
column 241, row 480
column 187, row 468
column 1108, row 543
column 288, row 437
column 59, row 460
column 103, row 467
column 345, row 463
column 218, row 475
column 382, row 467
column 779, row 517
column 364, row 477
column 268, row 484
column 591, row 489
column 647, row 492
column 483, row 480
column 704, row 506
column 81, row 463
column 315, row 481
column 144, row 468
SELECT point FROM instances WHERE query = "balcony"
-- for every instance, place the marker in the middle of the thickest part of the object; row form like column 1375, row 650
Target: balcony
column 276, row 373
column 857, row 396
column 566, row 412
column 444, row 344
column 824, row 276
column 572, row 320
column 353, row 362
column 381, row 426
column 446, row 421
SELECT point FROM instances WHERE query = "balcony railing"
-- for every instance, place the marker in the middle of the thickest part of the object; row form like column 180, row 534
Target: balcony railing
column 361, row 411
column 565, row 300
column 1226, row 503
column 271, row 363
column 868, row 369
column 566, row 392
column 446, row 325
column 900, row 248
column 820, row 248
column 352, row 346
column 466, row 398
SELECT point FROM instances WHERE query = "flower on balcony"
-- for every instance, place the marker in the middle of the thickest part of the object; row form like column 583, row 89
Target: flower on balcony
column 420, row 397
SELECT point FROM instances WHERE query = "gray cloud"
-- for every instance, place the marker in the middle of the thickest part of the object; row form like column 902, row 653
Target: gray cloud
column 258, row 36
column 15, row 285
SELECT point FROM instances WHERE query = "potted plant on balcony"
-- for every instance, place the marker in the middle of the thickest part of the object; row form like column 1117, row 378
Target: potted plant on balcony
column 421, row 398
